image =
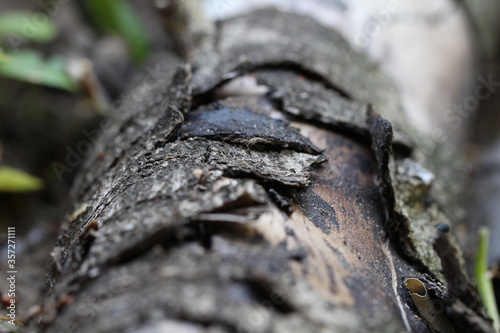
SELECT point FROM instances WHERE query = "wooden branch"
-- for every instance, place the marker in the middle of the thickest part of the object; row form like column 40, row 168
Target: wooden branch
column 287, row 204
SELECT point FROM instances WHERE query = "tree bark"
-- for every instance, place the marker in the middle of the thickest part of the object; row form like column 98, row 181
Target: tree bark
column 266, row 185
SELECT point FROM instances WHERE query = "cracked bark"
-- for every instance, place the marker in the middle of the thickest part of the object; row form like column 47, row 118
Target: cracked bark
column 284, row 204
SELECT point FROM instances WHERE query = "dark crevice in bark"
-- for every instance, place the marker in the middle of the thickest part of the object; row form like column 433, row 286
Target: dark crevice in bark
column 299, row 70
column 239, row 174
column 361, row 136
column 216, row 324
column 165, row 237
column 208, row 96
column 203, row 233
column 401, row 151
column 262, row 292
column 396, row 224
column 281, row 198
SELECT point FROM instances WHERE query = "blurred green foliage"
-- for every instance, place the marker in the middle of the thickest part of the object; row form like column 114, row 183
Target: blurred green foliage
column 25, row 25
column 29, row 66
column 483, row 278
column 19, row 60
column 116, row 16
column 13, row 180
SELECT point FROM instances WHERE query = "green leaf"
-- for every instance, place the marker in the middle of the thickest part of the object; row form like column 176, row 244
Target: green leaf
column 117, row 16
column 13, row 180
column 36, row 27
column 4, row 57
column 483, row 279
column 29, row 66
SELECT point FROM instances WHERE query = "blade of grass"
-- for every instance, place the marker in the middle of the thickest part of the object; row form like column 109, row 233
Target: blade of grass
column 117, row 16
column 9, row 327
column 484, row 283
column 6, row 322
column 4, row 57
column 24, row 24
column 13, row 180
column 29, row 66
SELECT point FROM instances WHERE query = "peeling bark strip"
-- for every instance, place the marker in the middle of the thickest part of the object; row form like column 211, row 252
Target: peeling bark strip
column 274, row 207
column 245, row 126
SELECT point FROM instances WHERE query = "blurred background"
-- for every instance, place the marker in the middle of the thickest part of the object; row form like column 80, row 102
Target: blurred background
column 65, row 64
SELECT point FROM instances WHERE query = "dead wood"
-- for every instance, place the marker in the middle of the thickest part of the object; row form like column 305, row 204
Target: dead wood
column 296, row 202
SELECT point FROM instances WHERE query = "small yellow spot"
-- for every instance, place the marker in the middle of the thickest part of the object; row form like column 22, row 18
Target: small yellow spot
column 79, row 211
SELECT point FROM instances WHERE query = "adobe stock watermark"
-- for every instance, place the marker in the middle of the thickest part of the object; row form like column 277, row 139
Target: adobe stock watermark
column 87, row 310
column 220, row 6
column 374, row 26
column 11, row 275
column 31, row 27
column 255, row 320
column 456, row 114
column 76, row 155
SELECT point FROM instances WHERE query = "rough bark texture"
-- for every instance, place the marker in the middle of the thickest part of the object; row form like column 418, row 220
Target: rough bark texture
column 291, row 205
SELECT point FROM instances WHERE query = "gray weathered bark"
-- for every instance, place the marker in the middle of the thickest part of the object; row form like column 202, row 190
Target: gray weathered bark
column 257, row 189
